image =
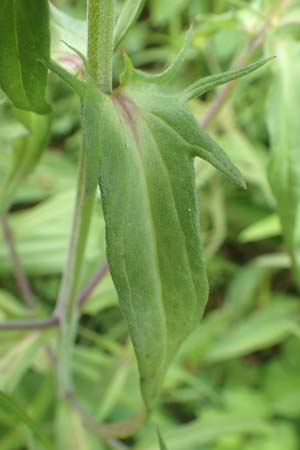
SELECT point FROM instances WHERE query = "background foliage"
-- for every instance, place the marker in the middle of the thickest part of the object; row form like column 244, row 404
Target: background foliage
column 235, row 384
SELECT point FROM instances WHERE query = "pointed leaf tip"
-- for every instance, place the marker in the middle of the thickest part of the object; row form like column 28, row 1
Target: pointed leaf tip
column 128, row 71
column 206, row 84
column 215, row 155
column 196, row 141
column 167, row 75
column 78, row 53
column 164, row 303
column 77, row 85
column 132, row 74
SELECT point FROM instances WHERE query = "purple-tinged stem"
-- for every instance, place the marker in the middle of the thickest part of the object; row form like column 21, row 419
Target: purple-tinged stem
column 35, row 324
column 19, row 274
column 94, row 281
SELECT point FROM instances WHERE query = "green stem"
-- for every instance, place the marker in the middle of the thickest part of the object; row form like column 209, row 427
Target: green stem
column 101, row 15
column 67, row 309
column 101, row 21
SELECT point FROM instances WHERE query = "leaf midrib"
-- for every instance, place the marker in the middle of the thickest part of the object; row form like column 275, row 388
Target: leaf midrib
column 161, row 306
column 173, row 200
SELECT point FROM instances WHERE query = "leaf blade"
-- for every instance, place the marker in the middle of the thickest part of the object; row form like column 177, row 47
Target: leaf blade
column 164, row 77
column 197, row 141
column 148, row 219
column 23, row 41
column 144, row 142
column 129, row 15
column 211, row 82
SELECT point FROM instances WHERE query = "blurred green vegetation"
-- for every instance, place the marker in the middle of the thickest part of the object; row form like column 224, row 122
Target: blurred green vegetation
column 236, row 383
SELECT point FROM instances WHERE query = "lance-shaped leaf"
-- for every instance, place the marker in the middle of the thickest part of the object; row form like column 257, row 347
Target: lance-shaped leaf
column 283, row 121
column 147, row 141
column 206, row 84
column 24, row 40
column 131, row 74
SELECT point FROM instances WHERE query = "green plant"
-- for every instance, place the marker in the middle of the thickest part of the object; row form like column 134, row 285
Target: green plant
column 139, row 141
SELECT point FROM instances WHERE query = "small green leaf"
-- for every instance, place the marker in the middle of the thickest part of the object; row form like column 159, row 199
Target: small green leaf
column 67, row 77
column 131, row 74
column 79, row 54
column 266, row 327
column 24, row 40
column 129, row 15
column 265, row 228
column 207, row 84
column 13, row 409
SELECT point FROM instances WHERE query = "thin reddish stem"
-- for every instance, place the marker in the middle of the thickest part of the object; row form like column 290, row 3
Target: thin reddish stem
column 21, row 279
column 92, row 284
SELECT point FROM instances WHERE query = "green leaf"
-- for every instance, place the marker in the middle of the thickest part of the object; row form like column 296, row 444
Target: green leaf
column 207, row 84
column 129, row 15
column 131, row 74
column 27, row 153
column 67, row 77
column 204, row 432
column 17, row 360
column 263, row 328
column 284, row 395
column 13, row 409
column 177, row 120
column 144, row 142
column 283, row 113
column 263, row 229
column 10, row 305
column 42, row 232
column 65, row 28
column 244, row 291
column 23, row 41
column 70, row 430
